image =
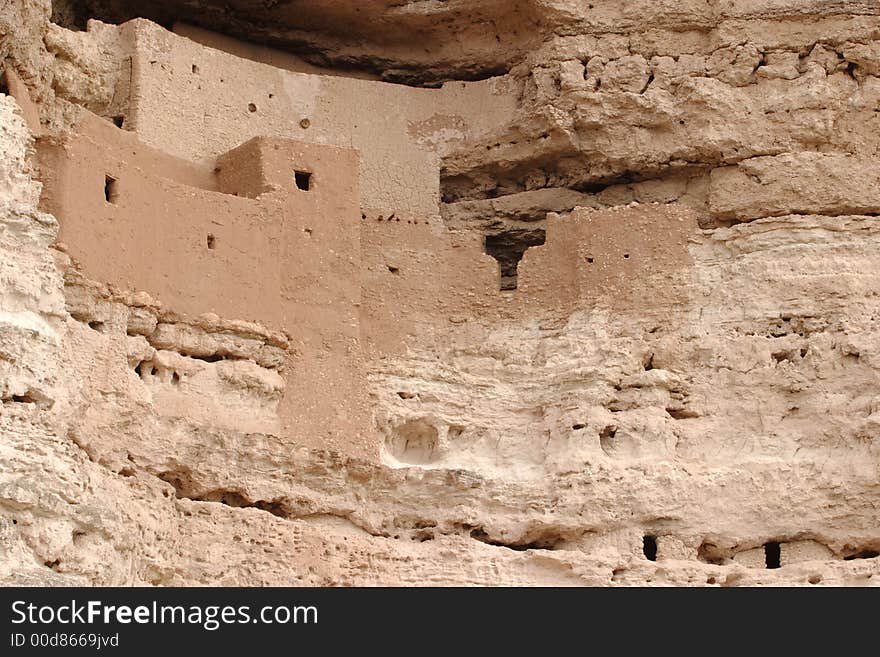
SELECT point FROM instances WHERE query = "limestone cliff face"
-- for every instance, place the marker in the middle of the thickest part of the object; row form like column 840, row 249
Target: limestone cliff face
column 599, row 310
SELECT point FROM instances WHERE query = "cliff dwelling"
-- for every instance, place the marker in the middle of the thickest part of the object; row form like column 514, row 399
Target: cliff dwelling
column 588, row 299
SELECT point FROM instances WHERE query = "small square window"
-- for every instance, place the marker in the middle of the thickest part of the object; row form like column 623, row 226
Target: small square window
column 303, row 180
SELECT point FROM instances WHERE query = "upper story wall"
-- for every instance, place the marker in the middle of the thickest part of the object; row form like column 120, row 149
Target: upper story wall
column 122, row 149
column 142, row 219
column 198, row 102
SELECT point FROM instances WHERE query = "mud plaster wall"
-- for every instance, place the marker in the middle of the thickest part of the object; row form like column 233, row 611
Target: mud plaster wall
column 620, row 258
column 287, row 259
column 221, row 100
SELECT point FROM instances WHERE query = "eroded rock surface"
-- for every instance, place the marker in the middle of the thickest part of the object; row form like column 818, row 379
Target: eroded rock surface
column 601, row 309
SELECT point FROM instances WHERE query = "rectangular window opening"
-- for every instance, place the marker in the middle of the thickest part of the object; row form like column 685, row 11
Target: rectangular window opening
column 649, row 547
column 111, row 189
column 303, row 180
column 772, row 554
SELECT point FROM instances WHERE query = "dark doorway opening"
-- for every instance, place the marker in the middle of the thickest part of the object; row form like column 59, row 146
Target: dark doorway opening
column 508, row 249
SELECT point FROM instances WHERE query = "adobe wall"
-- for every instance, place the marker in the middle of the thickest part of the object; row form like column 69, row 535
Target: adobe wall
column 221, row 100
column 419, row 280
column 288, row 259
column 120, row 146
column 620, row 258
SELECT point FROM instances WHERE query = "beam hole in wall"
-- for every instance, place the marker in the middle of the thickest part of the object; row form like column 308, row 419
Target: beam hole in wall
column 252, row 108
column 303, row 180
column 211, row 241
column 95, row 325
column 508, row 249
column 649, row 547
column 626, row 256
column 308, row 232
column 195, row 69
column 589, row 260
column 111, row 189
column 772, row 554
column 394, row 270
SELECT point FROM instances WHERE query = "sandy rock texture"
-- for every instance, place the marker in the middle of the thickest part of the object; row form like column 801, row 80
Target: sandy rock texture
column 689, row 395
